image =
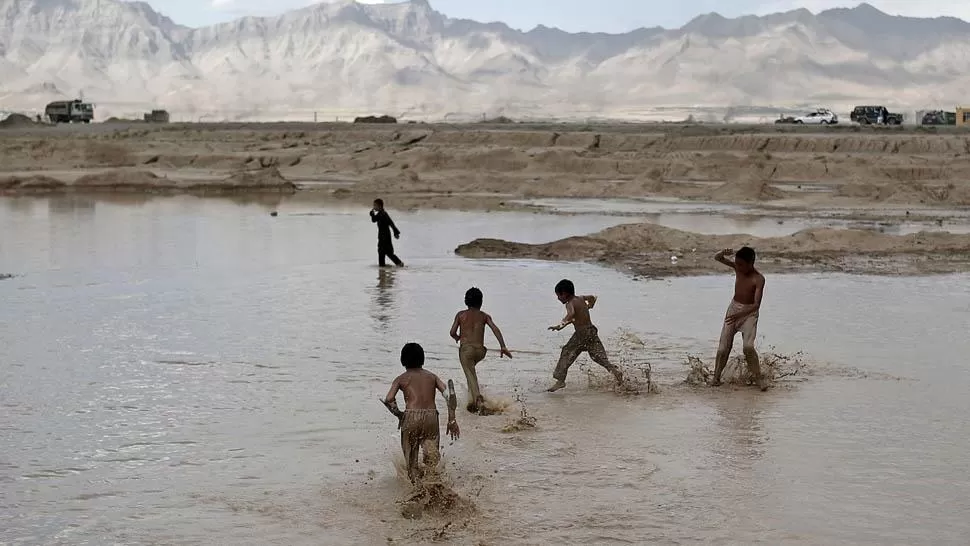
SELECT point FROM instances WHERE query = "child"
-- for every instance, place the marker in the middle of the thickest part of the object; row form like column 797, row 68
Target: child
column 742, row 313
column 385, row 247
column 419, row 421
column 471, row 350
column 585, row 338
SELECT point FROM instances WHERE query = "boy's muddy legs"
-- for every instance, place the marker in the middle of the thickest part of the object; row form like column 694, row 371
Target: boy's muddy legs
column 754, row 366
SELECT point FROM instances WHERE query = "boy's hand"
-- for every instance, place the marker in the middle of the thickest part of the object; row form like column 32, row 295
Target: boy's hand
column 453, row 430
column 557, row 327
column 504, row 352
column 725, row 252
column 397, row 234
column 592, row 302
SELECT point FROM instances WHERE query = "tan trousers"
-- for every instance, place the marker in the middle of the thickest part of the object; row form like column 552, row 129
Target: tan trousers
column 420, row 430
column 470, row 355
column 586, row 340
column 749, row 331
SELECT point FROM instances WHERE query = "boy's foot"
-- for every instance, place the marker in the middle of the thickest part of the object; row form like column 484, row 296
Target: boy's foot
column 556, row 386
column 716, row 383
column 618, row 375
column 762, row 385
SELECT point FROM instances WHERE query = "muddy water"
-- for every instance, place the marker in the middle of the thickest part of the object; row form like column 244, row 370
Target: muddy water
column 189, row 371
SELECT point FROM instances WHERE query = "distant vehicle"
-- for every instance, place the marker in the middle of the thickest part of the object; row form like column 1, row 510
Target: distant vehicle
column 939, row 117
column 785, row 119
column 157, row 116
column 818, row 117
column 69, row 111
column 875, row 115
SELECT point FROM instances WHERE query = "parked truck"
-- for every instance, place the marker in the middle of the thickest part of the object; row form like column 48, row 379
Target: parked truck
column 875, row 115
column 157, row 116
column 69, row 111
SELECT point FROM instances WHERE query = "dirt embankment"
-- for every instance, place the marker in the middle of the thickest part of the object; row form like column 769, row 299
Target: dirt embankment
column 652, row 250
column 269, row 180
column 568, row 161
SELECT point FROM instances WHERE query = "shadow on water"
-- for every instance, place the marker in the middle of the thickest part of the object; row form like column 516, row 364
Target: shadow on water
column 383, row 309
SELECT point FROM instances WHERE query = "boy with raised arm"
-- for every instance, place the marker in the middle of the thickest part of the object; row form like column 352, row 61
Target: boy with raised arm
column 584, row 339
column 742, row 313
column 385, row 247
column 468, row 330
column 419, row 421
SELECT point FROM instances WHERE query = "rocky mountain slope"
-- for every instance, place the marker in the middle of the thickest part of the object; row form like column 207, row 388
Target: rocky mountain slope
column 344, row 58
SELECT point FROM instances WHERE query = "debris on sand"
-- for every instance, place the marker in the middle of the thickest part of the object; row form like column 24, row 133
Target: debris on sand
column 122, row 180
column 4, row 276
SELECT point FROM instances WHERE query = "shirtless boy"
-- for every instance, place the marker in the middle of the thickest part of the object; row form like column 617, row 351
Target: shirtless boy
column 468, row 330
column 585, row 338
column 742, row 313
column 419, row 421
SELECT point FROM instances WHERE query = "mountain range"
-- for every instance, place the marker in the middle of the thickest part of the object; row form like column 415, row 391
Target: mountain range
column 345, row 59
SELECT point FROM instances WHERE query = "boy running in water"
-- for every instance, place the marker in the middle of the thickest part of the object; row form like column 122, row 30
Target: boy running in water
column 419, row 421
column 585, row 338
column 468, row 330
column 742, row 313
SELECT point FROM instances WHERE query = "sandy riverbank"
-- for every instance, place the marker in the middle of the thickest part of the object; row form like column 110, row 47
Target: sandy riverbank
column 649, row 250
column 435, row 165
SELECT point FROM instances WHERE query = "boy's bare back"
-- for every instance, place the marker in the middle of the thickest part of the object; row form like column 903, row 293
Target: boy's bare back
column 471, row 324
column 419, row 388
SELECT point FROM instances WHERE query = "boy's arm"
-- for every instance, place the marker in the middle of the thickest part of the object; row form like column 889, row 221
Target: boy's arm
column 452, row 406
column 454, row 328
column 590, row 300
column 390, row 401
column 504, row 351
column 374, row 215
column 397, row 232
column 721, row 257
column 568, row 319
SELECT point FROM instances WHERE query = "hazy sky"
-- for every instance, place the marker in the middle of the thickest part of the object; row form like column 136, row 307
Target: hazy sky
column 571, row 15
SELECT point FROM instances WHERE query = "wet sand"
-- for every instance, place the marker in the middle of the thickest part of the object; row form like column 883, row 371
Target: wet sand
column 179, row 369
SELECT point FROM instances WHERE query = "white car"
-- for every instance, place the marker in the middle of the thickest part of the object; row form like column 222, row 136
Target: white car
column 818, row 117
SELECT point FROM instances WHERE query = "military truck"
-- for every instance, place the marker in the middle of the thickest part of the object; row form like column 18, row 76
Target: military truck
column 69, row 111
column 157, row 116
column 875, row 115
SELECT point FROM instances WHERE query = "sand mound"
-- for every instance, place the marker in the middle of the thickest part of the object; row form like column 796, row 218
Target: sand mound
column 269, row 179
column 27, row 183
column 14, row 121
column 122, row 180
column 746, row 188
column 907, row 193
column 647, row 248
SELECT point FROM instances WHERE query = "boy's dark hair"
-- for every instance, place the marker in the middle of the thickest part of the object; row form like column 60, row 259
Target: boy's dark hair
column 745, row 253
column 379, row 202
column 473, row 298
column 565, row 286
column 412, row 356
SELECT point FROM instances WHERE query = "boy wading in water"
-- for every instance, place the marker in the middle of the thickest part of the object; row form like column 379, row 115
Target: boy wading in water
column 385, row 247
column 419, row 421
column 468, row 330
column 742, row 313
column 585, row 338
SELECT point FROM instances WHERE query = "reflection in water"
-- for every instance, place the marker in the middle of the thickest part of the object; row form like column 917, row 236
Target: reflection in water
column 742, row 430
column 383, row 304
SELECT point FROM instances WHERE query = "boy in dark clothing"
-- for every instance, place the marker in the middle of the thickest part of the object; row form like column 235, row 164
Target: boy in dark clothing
column 385, row 248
